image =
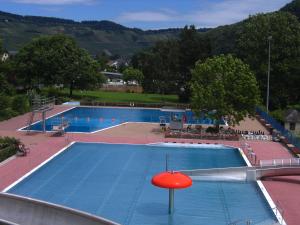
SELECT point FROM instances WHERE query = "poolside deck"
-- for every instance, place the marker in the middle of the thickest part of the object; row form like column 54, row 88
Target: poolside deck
column 284, row 190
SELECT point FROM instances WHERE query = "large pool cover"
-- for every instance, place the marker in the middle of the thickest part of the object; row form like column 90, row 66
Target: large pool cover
column 114, row 181
column 90, row 119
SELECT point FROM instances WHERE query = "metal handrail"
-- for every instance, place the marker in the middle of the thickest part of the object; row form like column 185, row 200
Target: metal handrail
column 280, row 162
column 41, row 103
column 276, row 125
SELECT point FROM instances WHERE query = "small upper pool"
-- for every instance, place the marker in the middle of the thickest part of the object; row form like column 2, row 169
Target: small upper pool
column 114, row 181
column 91, row 119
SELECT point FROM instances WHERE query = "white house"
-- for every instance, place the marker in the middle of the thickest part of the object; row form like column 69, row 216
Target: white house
column 292, row 121
column 113, row 78
column 4, row 57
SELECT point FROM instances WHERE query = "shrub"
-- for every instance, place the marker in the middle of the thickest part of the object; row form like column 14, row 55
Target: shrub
column 52, row 92
column 7, row 152
column 4, row 101
column 60, row 100
column 7, row 113
column 278, row 115
column 20, row 104
column 6, row 141
column 8, row 147
column 212, row 130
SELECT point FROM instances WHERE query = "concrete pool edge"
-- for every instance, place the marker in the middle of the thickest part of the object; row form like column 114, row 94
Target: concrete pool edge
column 37, row 167
column 262, row 188
column 22, row 129
column 74, row 107
column 52, row 157
column 265, row 193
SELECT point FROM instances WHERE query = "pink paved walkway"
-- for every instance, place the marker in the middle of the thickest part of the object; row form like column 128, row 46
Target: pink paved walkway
column 285, row 190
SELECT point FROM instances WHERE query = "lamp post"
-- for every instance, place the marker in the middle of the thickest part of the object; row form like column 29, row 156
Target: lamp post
column 269, row 68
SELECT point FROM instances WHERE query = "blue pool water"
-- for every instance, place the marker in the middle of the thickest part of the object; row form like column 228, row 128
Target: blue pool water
column 114, row 181
column 84, row 119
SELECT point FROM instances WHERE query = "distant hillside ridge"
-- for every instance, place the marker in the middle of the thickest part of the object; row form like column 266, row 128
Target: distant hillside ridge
column 95, row 36
column 293, row 8
column 99, row 36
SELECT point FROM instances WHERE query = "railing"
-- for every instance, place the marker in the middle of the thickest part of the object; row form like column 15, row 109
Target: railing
column 280, row 162
column 133, row 104
column 257, row 137
column 40, row 103
column 274, row 123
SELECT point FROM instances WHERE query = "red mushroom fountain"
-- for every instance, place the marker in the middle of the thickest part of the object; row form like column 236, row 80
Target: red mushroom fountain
column 172, row 180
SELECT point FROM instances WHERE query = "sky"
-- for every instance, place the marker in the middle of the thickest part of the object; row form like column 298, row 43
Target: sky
column 146, row 14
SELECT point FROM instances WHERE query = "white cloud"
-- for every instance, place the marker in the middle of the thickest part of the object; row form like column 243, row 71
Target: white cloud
column 54, row 2
column 146, row 16
column 210, row 15
column 230, row 11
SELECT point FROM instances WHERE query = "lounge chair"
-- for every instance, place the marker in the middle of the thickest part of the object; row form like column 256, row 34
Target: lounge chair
column 22, row 150
column 58, row 130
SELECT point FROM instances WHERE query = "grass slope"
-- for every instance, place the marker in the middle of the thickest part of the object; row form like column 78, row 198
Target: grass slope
column 104, row 96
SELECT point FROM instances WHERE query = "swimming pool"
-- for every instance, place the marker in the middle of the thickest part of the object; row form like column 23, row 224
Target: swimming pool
column 91, row 119
column 114, row 181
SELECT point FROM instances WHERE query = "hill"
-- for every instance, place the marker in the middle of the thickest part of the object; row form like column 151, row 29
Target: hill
column 223, row 38
column 293, row 8
column 95, row 36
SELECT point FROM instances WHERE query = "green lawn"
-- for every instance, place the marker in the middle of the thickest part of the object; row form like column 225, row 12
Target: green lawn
column 104, row 96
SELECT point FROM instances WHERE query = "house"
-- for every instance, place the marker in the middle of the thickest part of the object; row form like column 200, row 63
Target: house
column 114, row 78
column 118, row 63
column 4, row 57
column 292, row 121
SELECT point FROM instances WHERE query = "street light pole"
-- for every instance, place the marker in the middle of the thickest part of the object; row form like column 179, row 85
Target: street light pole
column 269, row 68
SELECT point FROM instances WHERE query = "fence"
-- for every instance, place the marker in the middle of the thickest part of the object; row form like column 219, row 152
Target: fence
column 134, row 104
column 276, row 125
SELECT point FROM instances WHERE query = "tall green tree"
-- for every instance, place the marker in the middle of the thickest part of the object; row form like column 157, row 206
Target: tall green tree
column 166, row 56
column 284, row 29
column 1, row 47
column 56, row 59
column 191, row 49
column 226, row 86
column 102, row 59
column 159, row 66
column 167, row 66
column 131, row 74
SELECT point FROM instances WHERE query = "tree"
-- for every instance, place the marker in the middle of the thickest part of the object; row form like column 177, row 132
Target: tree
column 54, row 60
column 191, row 49
column 226, row 86
column 1, row 48
column 285, row 55
column 5, row 87
column 131, row 74
column 159, row 66
column 102, row 59
column 293, row 8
